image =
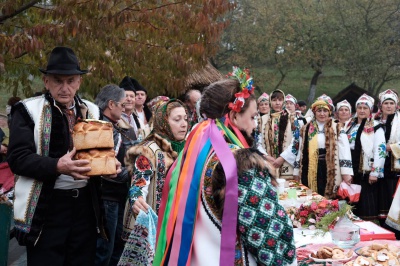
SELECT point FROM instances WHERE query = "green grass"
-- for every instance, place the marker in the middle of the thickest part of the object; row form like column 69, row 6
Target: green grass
column 297, row 82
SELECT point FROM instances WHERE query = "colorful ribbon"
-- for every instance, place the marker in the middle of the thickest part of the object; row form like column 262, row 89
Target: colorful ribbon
column 181, row 196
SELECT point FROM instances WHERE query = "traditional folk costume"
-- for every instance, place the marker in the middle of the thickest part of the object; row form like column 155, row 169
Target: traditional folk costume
column 190, row 230
column 324, row 154
column 339, row 105
column 51, row 137
column 258, row 137
column 368, row 151
column 387, row 185
column 297, row 113
column 280, row 137
column 148, row 164
column 132, row 120
column 263, row 98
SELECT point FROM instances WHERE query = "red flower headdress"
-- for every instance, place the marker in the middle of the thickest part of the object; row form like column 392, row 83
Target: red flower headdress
column 246, row 83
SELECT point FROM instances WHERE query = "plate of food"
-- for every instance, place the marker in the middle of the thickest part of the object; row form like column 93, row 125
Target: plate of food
column 283, row 196
column 384, row 254
column 331, row 254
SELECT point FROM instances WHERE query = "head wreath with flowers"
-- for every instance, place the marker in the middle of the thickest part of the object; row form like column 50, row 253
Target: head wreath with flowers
column 246, row 84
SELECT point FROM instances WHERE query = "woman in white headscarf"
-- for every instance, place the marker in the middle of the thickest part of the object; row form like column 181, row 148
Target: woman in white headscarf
column 343, row 113
column 389, row 116
column 368, row 152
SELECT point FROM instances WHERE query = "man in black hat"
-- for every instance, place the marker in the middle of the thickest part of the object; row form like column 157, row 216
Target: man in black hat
column 142, row 110
column 56, row 208
column 129, row 115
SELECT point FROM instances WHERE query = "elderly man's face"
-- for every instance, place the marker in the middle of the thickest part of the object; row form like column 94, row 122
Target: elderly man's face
column 194, row 97
column 62, row 87
column 130, row 101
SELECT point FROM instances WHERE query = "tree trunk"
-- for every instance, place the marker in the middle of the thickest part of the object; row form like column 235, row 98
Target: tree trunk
column 313, row 87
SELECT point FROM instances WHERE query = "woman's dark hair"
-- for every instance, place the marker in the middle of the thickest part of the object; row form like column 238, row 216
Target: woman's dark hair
column 217, row 96
column 277, row 94
column 13, row 100
column 246, row 159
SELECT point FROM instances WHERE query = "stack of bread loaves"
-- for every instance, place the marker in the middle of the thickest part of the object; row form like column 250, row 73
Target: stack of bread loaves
column 93, row 140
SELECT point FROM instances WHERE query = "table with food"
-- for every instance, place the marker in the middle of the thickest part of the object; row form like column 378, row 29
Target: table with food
column 328, row 233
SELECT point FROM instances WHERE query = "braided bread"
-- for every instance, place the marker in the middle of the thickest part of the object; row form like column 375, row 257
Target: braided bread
column 102, row 161
column 89, row 134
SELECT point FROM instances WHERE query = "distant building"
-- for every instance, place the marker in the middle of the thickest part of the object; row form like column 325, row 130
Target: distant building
column 351, row 93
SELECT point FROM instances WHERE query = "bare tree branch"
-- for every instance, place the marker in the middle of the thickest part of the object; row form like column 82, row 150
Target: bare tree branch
column 20, row 10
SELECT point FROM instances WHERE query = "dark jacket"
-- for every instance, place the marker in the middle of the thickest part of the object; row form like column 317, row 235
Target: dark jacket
column 147, row 112
column 117, row 189
column 24, row 161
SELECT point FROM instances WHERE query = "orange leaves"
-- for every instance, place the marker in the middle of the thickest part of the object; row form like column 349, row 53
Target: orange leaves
column 159, row 42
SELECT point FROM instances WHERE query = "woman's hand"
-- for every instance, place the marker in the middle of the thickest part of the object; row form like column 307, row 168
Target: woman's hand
column 278, row 162
column 3, row 149
column 388, row 147
column 269, row 159
column 372, row 179
column 140, row 204
column 347, row 179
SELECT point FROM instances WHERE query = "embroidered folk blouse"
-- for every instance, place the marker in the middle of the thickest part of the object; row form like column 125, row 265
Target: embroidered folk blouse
column 373, row 148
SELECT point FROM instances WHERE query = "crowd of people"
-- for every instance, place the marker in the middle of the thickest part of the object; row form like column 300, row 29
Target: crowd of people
column 196, row 180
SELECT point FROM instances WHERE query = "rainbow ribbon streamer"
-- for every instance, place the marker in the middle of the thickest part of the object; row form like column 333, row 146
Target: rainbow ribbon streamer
column 181, row 196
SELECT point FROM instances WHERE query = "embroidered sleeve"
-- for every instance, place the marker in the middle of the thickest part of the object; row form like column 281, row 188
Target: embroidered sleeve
column 345, row 164
column 352, row 136
column 142, row 173
column 259, row 140
column 296, row 164
column 378, row 165
column 290, row 153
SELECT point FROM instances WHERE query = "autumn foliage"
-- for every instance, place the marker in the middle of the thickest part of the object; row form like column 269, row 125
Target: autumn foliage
column 157, row 42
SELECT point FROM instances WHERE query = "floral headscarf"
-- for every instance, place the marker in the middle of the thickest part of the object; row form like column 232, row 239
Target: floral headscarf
column 367, row 100
column 157, row 101
column 321, row 104
column 327, row 99
column 291, row 98
column 344, row 103
column 160, row 124
column 388, row 95
column 263, row 98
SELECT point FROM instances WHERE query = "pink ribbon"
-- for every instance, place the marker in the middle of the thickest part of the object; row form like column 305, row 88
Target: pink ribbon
column 229, row 217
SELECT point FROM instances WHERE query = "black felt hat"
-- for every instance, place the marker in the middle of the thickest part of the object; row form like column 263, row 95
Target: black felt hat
column 63, row 61
column 137, row 86
column 127, row 84
column 131, row 84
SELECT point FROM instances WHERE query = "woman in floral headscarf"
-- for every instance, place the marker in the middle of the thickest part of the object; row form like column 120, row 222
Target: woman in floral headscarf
column 368, row 151
column 149, row 162
column 324, row 158
column 263, row 104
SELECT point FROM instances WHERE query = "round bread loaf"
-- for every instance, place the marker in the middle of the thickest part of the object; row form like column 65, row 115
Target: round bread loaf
column 102, row 161
column 93, row 134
